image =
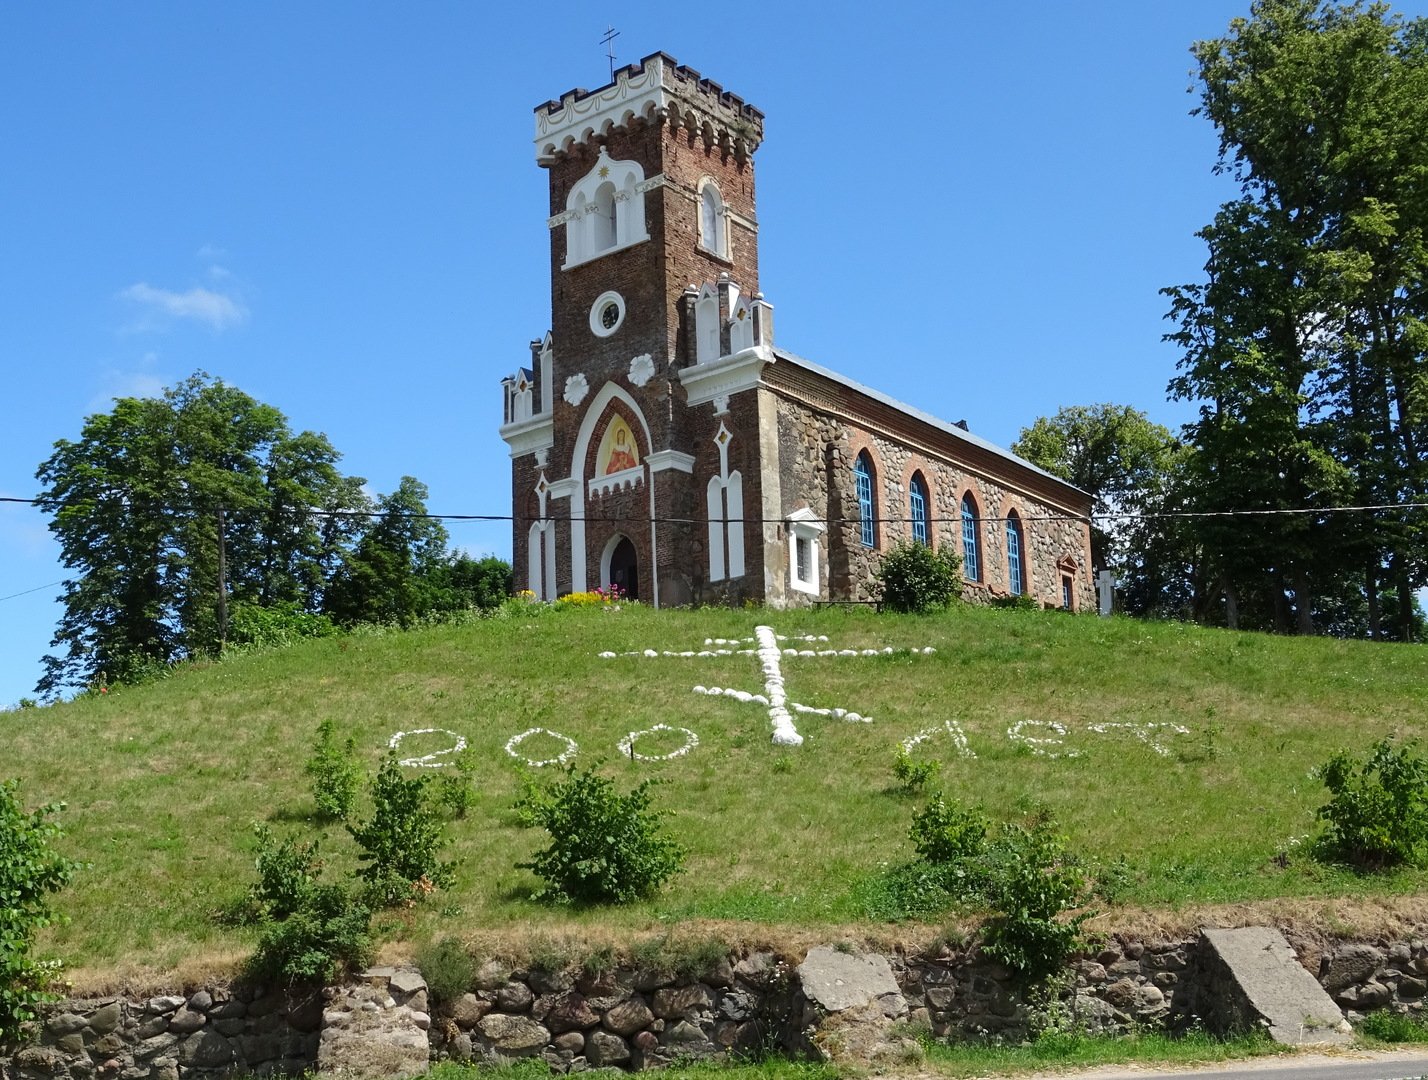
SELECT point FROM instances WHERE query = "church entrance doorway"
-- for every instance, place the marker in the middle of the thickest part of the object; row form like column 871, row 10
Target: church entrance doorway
column 625, row 568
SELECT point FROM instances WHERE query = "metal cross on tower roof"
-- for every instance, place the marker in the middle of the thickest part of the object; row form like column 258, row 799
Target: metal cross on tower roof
column 609, row 42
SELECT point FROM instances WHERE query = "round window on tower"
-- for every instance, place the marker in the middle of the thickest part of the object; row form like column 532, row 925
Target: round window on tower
column 606, row 314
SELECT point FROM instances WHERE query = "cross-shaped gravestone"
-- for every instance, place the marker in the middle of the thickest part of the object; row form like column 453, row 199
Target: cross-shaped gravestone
column 1105, row 589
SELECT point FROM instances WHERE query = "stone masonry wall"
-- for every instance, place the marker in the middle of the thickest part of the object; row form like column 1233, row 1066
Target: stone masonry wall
column 385, row 1021
column 817, row 453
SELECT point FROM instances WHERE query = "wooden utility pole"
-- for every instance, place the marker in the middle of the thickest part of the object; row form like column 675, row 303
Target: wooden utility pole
column 222, row 586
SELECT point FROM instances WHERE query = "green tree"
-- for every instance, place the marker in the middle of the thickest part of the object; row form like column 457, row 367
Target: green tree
column 1113, row 452
column 1306, row 341
column 395, row 572
column 135, row 504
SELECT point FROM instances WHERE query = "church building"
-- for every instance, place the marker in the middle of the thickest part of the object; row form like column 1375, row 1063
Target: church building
column 662, row 442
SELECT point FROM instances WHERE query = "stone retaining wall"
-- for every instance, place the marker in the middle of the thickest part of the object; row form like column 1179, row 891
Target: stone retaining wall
column 386, row 1023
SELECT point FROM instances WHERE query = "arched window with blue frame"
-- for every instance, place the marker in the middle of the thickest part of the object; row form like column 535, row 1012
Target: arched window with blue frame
column 1016, row 571
column 867, row 505
column 917, row 508
column 971, row 553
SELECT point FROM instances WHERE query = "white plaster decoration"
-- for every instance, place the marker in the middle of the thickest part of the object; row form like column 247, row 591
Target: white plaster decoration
column 607, row 210
column 726, row 376
column 624, row 480
column 713, row 222
column 575, row 485
column 725, row 503
column 576, row 387
column 649, row 185
column 715, row 505
column 427, row 761
column 562, row 489
column 804, row 570
column 665, row 460
column 639, row 94
column 741, row 327
column 642, row 369
column 561, row 218
column 721, row 404
column 540, row 547
column 547, row 374
column 706, row 326
column 529, row 436
column 607, row 314
column 542, row 457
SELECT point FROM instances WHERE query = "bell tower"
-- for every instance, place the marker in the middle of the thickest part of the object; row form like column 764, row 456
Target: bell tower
column 653, row 270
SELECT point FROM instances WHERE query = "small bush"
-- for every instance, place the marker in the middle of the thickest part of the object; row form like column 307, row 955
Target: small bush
column 914, row 578
column 287, row 875
column 1377, row 813
column 30, row 870
column 334, row 772
column 328, row 934
column 946, row 833
column 456, row 789
column 1032, row 885
column 447, row 968
column 605, row 847
column 401, row 844
column 912, row 775
column 1020, row 602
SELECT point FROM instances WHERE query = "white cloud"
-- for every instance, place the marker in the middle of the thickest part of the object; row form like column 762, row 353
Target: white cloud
column 210, row 253
column 201, row 305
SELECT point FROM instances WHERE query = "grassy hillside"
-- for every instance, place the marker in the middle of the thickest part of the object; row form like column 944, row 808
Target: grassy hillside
column 164, row 781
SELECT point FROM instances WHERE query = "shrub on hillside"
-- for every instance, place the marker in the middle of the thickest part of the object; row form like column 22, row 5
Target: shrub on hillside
column 328, row 934
column 913, row 775
column 30, row 870
column 1034, row 888
column 915, row 578
column 605, row 847
column 334, row 772
column 276, row 625
column 1377, row 813
column 401, row 844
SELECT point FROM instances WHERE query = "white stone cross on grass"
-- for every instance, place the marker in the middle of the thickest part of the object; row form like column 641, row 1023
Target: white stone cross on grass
column 770, row 654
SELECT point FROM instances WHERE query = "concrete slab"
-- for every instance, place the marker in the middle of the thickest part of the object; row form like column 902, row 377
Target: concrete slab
column 1273, row 987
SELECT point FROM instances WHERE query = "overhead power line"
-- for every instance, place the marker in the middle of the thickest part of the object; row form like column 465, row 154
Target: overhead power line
column 618, row 519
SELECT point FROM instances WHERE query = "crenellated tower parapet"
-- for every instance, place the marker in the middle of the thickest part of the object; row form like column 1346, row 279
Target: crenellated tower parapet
column 658, row 89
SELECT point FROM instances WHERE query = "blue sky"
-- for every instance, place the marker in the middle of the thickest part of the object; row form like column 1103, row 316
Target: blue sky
column 335, row 206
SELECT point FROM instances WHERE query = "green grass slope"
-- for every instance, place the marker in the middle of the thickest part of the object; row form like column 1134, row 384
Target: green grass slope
column 164, row 781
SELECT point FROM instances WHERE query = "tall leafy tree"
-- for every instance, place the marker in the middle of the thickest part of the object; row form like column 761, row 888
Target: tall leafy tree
column 135, row 502
column 1306, row 343
column 393, row 574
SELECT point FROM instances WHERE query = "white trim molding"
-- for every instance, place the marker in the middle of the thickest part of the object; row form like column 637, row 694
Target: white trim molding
column 664, row 460
column 529, row 436
column 743, row 370
column 804, row 527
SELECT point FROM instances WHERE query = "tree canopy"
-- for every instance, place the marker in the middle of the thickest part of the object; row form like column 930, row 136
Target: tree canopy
column 143, row 498
column 1305, row 343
